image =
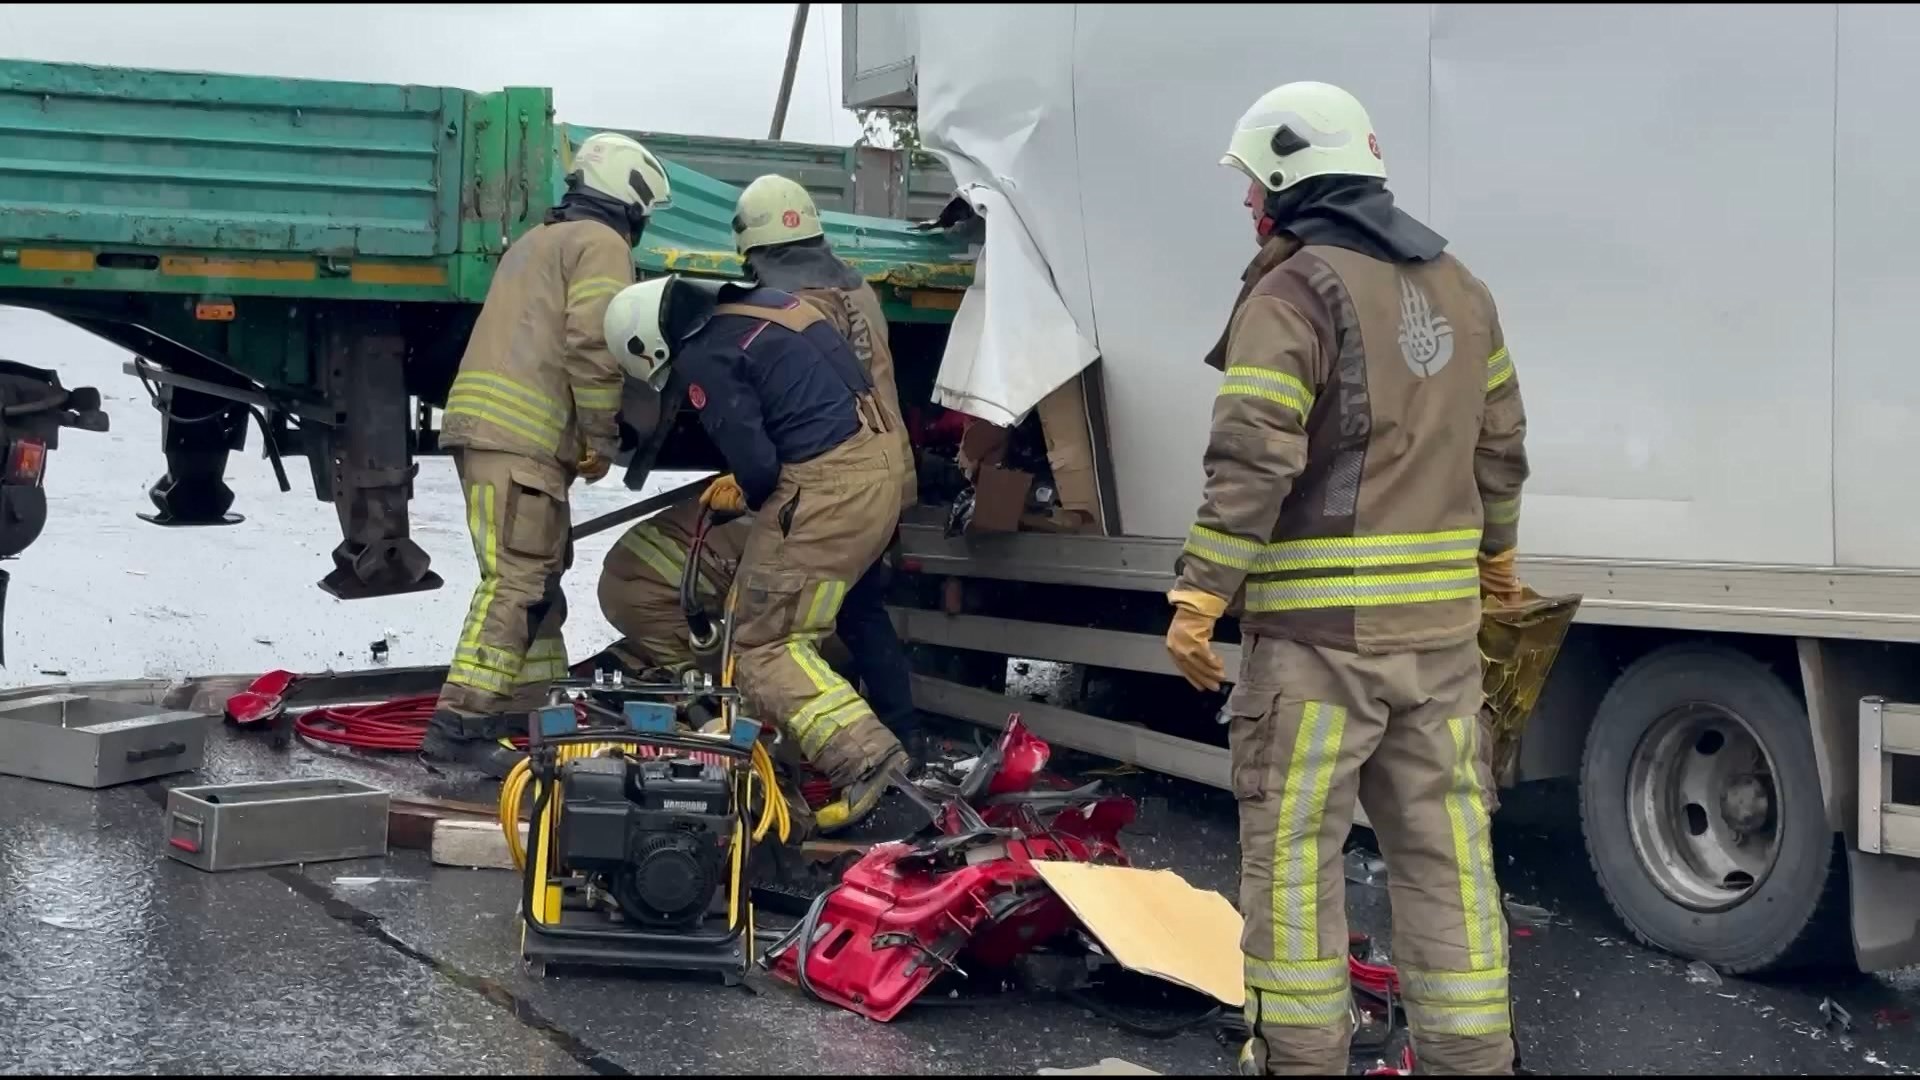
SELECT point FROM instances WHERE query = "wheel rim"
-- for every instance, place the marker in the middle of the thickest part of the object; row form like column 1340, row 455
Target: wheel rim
column 1703, row 807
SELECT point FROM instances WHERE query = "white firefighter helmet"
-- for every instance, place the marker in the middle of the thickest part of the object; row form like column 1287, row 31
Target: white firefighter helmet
column 773, row 210
column 635, row 330
column 1302, row 130
column 620, row 168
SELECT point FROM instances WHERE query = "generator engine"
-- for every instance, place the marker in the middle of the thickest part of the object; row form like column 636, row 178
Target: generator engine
column 655, row 833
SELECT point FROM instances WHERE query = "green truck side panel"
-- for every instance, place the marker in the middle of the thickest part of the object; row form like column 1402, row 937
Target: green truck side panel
column 825, row 171
column 143, row 193
column 98, row 155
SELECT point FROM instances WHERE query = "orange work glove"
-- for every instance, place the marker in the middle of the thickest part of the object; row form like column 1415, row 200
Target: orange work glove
column 1190, row 638
column 724, row 496
column 592, row 466
column 1499, row 580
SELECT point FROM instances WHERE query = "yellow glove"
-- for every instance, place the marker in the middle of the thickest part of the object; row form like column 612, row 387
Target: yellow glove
column 1190, row 638
column 1499, row 580
column 592, row 466
column 724, row 496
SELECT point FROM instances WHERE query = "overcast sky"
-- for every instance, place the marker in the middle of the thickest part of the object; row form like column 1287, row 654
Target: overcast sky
column 692, row 68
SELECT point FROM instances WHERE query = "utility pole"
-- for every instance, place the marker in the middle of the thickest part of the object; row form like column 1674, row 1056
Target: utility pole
column 798, row 35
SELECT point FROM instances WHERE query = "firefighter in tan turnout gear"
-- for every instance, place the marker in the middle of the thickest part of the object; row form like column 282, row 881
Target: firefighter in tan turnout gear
column 1366, row 452
column 640, row 584
column 777, row 230
column 779, row 391
column 533, row 407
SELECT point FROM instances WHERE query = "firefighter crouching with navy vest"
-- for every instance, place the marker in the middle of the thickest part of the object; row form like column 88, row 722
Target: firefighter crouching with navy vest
column 532, row 407
column 776, row 229
column 1366, row 452
column 780, row 393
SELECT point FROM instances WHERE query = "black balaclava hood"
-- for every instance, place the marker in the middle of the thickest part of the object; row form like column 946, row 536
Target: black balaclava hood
column 801, row 264
column 1352, row 212
column 582, row 203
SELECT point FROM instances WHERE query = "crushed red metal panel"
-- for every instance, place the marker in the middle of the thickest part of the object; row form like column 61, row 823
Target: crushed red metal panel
column 908, row 911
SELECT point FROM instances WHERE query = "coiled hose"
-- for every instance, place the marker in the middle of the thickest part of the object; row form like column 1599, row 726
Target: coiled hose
column 396, row 726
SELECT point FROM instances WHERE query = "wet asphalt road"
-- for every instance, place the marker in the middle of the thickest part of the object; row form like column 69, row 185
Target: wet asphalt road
column 113, row 957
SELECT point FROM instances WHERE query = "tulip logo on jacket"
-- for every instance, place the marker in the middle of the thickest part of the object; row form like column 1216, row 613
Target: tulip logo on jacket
column 1426, row 338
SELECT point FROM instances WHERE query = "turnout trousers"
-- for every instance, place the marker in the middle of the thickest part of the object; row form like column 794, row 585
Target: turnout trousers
column 1314, row 729
column 826, row 523
column 510, row 646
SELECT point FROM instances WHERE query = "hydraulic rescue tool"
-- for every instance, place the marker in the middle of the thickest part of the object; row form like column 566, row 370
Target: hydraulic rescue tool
column 647, row 800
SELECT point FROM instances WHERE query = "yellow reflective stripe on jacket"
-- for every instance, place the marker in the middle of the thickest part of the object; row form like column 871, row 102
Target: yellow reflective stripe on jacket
column 1296, row 840
column 1275, row 386
column 592, row 288
column 522, row 397
column 1391, row 549
column 1221, row 549
column 1473, row 849
column 497, row 400
column 1503, row 511
column 1362, row 590
column 1499, row 369
column 600, row 398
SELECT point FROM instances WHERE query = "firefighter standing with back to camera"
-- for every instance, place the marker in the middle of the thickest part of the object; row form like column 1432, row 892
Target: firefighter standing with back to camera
column 1365, row 453
column 780, row 393
column 776, row 229
column 533, row 406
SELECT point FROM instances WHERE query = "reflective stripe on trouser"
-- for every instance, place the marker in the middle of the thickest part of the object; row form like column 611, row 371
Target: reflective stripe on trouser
column 789, row 589
column 643, row 603
column 511, row 641
column 1314, row 730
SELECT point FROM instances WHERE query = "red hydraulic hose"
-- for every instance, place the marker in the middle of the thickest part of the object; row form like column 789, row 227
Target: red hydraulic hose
column 397, row 726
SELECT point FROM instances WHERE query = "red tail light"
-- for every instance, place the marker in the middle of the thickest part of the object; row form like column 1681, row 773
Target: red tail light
column 26, row 461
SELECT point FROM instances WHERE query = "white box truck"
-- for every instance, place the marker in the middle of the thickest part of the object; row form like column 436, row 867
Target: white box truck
column 1697, row 222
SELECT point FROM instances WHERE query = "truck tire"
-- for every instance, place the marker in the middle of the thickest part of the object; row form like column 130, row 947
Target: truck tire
column 1701, row 807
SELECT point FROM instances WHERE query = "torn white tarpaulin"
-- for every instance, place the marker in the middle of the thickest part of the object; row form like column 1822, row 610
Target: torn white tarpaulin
column 1013, row 341
column 996, row 104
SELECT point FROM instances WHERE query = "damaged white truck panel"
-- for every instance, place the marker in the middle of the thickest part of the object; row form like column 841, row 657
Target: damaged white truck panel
column 1674, row 206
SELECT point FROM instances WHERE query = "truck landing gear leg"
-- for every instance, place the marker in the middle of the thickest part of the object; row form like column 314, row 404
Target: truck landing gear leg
column 370, row 472
column 197, row 433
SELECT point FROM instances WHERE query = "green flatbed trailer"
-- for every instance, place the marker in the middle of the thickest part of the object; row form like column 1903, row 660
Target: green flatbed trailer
column 313, row 254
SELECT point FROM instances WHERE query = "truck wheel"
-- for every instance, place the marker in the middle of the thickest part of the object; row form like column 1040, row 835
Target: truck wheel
column 1701, row 806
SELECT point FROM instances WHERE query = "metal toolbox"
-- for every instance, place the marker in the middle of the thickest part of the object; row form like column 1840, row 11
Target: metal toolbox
column 94, row 743
column 275, row 823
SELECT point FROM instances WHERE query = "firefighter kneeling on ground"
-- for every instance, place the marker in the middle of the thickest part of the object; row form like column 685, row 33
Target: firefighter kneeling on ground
column 532, row 407
column 640, row 585
column 1360, row 675
column 780, row 393
column 776, row 229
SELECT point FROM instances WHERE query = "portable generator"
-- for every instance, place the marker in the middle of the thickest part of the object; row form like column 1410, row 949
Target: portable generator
column 642, row 829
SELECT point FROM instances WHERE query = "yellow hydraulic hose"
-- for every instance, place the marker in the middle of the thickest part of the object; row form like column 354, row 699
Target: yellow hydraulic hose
column 773, row 815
